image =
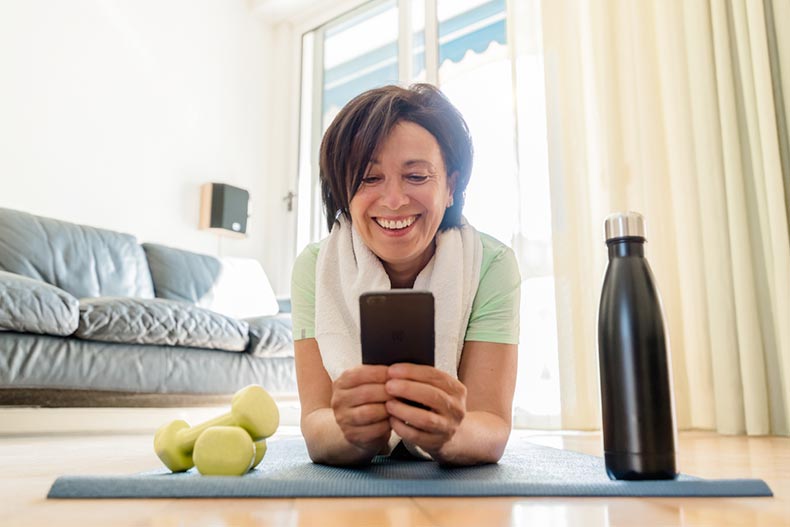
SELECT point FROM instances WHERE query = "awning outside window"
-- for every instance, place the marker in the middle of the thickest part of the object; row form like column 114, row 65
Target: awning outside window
column 472, row 30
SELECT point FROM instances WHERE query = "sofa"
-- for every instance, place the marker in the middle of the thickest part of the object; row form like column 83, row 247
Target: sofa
column 90, row 318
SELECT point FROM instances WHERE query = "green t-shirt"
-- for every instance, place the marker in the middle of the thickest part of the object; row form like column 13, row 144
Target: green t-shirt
column 495, row 310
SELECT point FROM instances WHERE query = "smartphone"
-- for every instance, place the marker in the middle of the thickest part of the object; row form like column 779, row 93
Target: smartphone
column 397, row 326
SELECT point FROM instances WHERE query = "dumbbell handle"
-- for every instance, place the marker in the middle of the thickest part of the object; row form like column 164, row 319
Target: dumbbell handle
column 188, row 436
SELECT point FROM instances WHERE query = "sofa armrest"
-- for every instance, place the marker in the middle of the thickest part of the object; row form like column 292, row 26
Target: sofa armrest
column 284, row 303
column 270, row 336
column 28, row 305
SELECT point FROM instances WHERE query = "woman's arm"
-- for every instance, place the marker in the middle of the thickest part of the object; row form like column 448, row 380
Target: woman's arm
column 345, row 422
column 471, row 418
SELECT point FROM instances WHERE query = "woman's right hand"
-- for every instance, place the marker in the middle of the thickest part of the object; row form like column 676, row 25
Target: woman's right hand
column 358, row 402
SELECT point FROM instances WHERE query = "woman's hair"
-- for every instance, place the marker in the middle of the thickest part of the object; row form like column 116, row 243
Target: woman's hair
column 367, row 120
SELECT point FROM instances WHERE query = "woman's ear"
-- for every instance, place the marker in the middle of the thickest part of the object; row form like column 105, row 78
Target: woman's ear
column 452, row 179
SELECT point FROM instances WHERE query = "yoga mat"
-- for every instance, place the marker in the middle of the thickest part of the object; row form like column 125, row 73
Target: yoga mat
column 525, row 469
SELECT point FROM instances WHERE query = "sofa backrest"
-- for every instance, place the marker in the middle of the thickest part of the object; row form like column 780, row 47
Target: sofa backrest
column 236, row 287
column 85, row 261
column 181, row 275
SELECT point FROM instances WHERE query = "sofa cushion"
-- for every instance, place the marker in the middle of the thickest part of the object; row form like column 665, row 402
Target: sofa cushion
column 237, row 287
column 158, row 321
column 181, row 275
column 33, row 306
column 85, row 261
column 271, row 336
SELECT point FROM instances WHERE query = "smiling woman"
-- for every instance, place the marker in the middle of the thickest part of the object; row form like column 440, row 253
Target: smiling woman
column 401, row 201
column 395, row 163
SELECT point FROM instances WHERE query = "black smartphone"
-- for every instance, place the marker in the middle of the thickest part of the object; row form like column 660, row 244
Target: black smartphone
column 397, row 326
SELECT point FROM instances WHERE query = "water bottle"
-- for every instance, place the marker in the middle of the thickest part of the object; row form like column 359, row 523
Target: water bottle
column 636, row 388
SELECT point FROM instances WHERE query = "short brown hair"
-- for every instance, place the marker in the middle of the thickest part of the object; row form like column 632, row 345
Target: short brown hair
column 363, row 123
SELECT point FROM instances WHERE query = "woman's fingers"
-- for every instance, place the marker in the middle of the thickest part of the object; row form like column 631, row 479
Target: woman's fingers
column 364, row 374
column 430, row 442
column 362, row 415
column 360, row 395
column 427, row 375
column 358, row 398
column 418, row 418
column 443, row 394
column 368, row 402
column 374, row 435
column 364, row 426
column 451, row 404
column 359, row 386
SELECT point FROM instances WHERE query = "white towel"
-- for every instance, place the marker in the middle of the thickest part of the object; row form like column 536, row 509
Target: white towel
column 346, row 268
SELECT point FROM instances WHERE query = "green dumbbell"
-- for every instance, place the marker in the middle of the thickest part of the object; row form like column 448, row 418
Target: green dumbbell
column 252, row 409
column 227, row 451
column 260, row 451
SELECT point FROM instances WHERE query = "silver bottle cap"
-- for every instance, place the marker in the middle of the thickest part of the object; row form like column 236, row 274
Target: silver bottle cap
column 624, row 225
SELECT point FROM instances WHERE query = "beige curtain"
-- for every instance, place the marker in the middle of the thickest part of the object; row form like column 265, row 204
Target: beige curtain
column 677, row 109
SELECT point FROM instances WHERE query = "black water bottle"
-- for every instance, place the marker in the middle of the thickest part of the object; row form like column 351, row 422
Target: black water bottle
column 636, row 388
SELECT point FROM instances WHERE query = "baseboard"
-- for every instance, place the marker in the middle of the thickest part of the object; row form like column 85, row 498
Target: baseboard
column 42, row 421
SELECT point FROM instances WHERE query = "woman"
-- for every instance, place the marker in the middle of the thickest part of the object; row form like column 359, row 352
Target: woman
column 394, row 166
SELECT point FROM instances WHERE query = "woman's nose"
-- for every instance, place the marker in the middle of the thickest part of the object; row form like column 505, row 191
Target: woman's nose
column 393, row 195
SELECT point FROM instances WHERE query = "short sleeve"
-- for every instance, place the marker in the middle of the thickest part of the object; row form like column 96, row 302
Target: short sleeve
column 303, row 293
column 495, row 310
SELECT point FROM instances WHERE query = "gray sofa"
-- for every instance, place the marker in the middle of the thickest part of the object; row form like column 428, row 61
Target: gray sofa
column 89, row 317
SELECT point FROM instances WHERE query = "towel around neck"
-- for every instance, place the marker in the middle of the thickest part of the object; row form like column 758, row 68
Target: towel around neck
column 346, row 268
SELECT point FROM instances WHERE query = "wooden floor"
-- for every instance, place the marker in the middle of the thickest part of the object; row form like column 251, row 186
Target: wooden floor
column 29, row 465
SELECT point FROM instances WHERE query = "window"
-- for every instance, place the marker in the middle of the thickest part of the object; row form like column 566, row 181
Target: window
column 462, row 46
column 359, row 53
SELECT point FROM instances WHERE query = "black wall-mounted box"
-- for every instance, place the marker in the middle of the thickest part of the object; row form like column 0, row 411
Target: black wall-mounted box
column 224, row 208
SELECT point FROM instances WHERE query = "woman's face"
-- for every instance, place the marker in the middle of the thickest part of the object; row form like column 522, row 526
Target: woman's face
column 401, row 201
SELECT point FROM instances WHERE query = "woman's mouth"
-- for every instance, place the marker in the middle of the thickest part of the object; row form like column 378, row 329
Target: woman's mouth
column 396, row 224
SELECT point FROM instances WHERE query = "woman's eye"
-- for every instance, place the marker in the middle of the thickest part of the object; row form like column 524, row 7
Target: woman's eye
column 416, row 178
column 369, row 180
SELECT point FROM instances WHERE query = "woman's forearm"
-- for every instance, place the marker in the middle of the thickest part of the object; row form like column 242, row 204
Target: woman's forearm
column 481, row 438
column 326, row 443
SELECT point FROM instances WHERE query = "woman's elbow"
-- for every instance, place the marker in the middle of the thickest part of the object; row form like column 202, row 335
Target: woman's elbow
column 496, row 452
column 324, row 458
column 323, row 454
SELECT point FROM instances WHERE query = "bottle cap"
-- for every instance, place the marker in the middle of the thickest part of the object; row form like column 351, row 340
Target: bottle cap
column 624, row 225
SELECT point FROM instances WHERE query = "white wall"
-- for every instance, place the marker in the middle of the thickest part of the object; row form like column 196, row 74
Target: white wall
column 113, row 113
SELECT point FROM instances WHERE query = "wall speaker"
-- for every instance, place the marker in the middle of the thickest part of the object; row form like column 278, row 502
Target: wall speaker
column 223, row 209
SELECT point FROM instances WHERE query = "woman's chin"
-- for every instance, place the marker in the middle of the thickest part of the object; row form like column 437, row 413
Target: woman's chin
column 390, row 257
column 403, row 258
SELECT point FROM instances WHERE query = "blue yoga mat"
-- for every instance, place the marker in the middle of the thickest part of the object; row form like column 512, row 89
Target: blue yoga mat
column 525, row 470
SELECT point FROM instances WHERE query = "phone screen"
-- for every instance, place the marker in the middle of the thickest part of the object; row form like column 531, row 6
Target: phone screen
column 397, row 326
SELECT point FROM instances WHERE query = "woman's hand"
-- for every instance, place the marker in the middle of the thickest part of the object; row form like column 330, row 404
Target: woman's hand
column 358, row 402
column 444, row 395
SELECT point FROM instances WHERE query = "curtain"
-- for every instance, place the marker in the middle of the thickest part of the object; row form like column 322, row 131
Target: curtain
column 678, row 110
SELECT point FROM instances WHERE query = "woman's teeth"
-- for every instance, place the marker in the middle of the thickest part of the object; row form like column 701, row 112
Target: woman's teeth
column 396, row 224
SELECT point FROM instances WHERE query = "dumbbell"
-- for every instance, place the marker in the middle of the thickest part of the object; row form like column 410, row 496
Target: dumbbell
column 227, row 451
column 252, row 409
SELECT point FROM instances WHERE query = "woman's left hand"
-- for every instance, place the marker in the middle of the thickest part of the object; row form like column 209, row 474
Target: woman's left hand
column 444, row 395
